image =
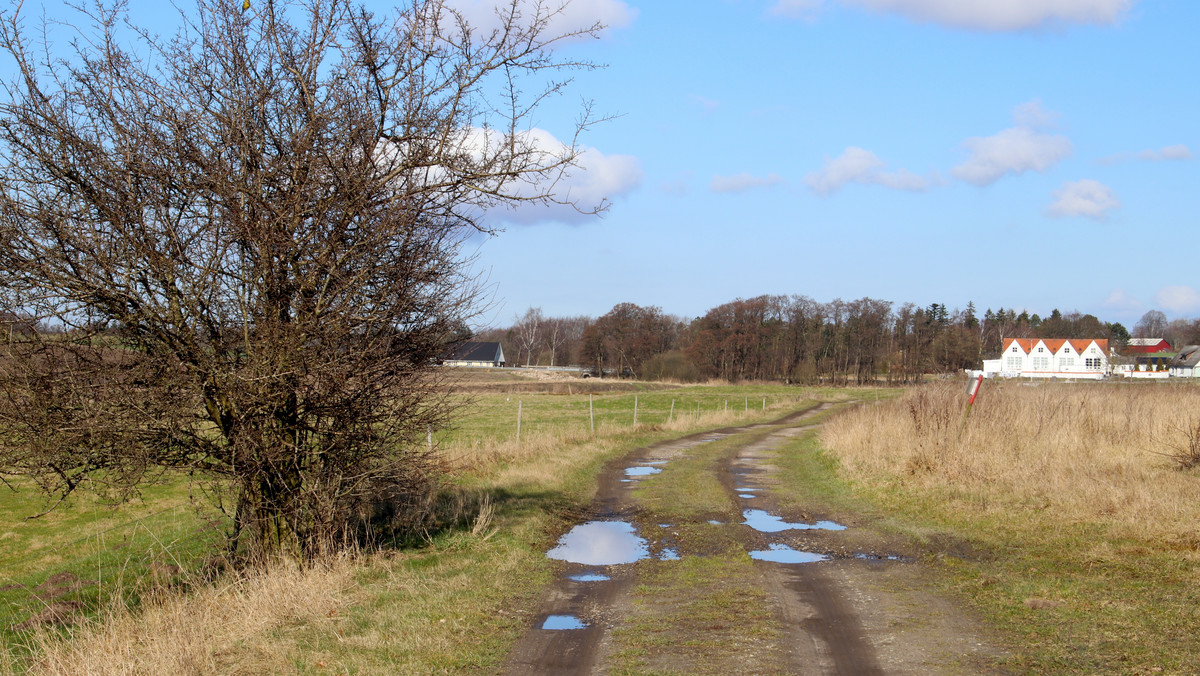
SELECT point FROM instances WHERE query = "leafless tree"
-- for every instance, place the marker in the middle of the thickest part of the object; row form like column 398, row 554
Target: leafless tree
column 527, row 332
column 1151, row 325
column 267, row 211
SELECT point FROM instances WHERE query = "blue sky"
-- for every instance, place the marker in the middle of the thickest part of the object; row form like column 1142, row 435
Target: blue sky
column 1036, row 154
column 1028, row 154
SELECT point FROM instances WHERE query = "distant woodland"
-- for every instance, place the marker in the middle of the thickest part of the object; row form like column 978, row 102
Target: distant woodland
column 797, row 339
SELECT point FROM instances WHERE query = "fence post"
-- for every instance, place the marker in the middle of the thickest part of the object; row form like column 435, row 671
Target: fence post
column 592, row 412
column 671, row 415
column 635, row 406
column 518, row 421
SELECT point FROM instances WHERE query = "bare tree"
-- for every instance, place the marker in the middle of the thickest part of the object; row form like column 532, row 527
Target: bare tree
column 1151, row 325
column 270, row 209
column 554, row 331
column 527, row 333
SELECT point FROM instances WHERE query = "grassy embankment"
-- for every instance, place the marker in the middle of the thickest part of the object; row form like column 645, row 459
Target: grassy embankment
column 1069, row 526
column 454, row 603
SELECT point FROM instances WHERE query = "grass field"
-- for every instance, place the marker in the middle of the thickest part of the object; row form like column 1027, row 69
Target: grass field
column 1060, row 511
column 137, row 572
column 1076, row 525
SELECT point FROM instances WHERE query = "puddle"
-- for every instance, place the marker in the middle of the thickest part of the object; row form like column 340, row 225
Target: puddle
column 589, row 577
column 785, row 554
column 881, row 557
column 715, row 522
column 642, row 470
column 656, row 462
column 601, row 543
column 747, row 496
column 765, row 522
column 668, row 555
column 563, row 622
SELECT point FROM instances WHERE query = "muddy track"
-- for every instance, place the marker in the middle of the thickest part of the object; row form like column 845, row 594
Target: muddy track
column 857, row 604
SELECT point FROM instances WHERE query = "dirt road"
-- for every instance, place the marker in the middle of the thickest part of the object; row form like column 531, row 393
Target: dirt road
column 831, row 595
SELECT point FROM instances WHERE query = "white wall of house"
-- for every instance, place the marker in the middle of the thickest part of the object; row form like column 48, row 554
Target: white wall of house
column 1072, row 359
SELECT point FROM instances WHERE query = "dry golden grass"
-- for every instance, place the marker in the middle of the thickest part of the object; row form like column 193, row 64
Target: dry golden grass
column 222, row 628
column 538, row 458
column 1096, row 453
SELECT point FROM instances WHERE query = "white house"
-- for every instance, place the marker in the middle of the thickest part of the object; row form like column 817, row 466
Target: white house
column 1187, row 363
column 1050, row 358
column 485, row 355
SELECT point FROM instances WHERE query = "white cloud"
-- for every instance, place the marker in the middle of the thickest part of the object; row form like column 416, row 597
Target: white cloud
column 1014, row 150
column 1164, row 154
column 1087, row 198
column 1003, row 15
column 856, row 165
column 1119, row 301
column 795, row 9
column 575, row 16
column 1176, row 152
column 1033, row 116
column 596, row 179
column 1178, row 300
column 742, row 182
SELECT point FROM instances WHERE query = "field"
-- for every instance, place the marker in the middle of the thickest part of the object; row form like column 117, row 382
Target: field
column 1064, row 514
column 1074, row 508
column 512, row 488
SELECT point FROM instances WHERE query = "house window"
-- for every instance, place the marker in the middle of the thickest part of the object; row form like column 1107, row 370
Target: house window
column 1041, row 349
column 1066, row 363
column 1012, row 364
column 1092, row 364
column 1014, row 348
column 1041, row 363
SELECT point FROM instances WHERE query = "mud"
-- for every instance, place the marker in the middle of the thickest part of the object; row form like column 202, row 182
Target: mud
column 850, row 600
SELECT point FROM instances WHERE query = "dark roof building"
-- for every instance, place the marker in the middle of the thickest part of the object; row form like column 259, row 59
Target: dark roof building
column 476, row 354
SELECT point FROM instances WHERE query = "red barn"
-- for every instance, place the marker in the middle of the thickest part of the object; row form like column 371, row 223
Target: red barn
column 1146, row 346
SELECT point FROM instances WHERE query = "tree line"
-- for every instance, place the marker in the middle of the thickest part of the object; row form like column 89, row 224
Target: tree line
column 797, row 339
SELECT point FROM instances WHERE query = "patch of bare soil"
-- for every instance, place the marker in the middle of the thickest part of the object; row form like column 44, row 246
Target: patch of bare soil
column 866, row 606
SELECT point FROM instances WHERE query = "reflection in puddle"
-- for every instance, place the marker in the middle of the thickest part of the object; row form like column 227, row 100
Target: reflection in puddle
column 642, row 471
column 747, row 496
column 785, row 554
column 715, row 522
column 590, row 577
column 562, row 622
column 880, row 557
column 668, row 555
column 764, row 522
column 600, row 543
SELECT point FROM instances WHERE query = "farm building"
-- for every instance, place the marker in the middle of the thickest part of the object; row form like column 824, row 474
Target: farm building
column 1187, row 363
column 1050, row 358
column 1146, row 346
column 476, row 354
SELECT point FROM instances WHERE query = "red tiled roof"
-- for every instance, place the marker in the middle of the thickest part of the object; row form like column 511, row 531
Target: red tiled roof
column 1055, row 344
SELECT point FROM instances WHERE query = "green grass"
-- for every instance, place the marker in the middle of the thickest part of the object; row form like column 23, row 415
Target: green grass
column 402, row 595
